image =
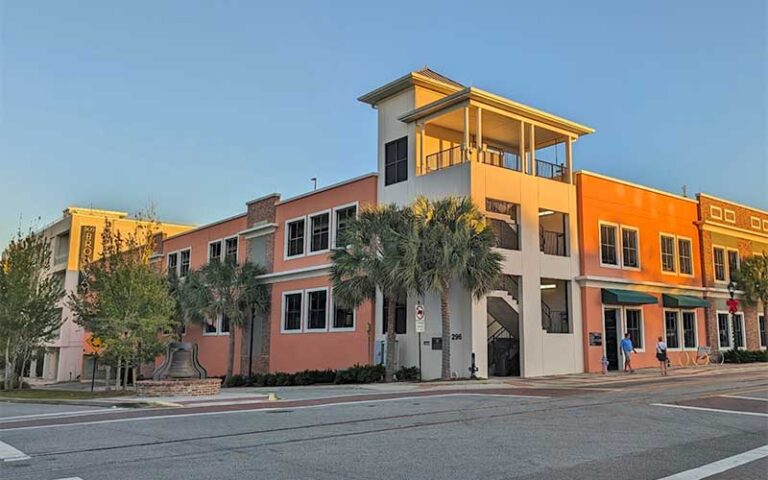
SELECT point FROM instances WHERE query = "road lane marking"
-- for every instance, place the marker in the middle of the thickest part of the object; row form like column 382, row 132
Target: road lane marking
column 11, row 454
column 257, row 410
column 723, row 465
column 741, row 397
column 62, row 414
column 705, row 409
column 70, row 478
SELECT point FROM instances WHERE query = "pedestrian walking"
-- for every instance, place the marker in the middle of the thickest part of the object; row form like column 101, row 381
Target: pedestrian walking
column 627, row 348
column 661, row 355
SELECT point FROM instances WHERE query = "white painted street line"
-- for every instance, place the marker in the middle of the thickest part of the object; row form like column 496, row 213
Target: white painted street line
column 62, row 414
column 276, row 407
column 741, row 397
column 720, row 466
column 10, row 454
column 70, row 478
column 705, row 409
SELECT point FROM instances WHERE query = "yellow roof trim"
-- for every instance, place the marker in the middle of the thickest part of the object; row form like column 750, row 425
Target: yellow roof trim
column 481, row 96
column 406, row 81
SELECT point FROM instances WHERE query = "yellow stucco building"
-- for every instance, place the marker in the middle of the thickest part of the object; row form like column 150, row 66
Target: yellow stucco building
column 76, row 240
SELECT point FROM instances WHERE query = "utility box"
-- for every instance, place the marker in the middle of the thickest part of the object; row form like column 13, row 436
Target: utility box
column 380, row 353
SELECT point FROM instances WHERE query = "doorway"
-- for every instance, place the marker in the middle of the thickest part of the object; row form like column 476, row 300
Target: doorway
column 611, row 327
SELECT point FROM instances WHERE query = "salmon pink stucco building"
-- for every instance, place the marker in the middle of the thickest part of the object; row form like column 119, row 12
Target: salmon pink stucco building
column 292, row 239
column 640, row 271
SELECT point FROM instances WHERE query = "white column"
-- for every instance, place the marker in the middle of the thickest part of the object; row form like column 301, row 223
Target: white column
column 532, row 147
column 569, row 157
column 421, row 168
column 523, row 163
column 479, row 130
column 466, row 134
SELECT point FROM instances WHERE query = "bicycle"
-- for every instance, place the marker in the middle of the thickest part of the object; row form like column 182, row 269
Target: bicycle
column 704, row 356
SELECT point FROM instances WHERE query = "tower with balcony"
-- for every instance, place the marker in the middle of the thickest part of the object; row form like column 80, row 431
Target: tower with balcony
column 436, row 138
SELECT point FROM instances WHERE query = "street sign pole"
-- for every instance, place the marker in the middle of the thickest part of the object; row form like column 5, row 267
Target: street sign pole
column 93, row 374
column 420, row 327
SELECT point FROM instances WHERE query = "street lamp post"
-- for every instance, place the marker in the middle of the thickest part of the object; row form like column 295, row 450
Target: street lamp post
column 732, row 308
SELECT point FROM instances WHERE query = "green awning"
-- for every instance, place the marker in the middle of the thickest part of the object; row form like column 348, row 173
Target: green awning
column 683, row 301
column 615, row 296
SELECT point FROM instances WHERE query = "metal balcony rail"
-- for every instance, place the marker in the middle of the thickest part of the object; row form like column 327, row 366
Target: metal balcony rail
column 552, row 171
column 552, row 243
column 444, row 159
column 500, row 158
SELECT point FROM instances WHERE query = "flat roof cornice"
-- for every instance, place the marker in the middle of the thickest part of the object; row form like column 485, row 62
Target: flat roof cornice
column 404, row 82
column 487, row 98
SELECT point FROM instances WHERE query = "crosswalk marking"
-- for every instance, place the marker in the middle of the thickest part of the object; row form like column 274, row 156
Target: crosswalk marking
column 11, row 454
column 723, row 465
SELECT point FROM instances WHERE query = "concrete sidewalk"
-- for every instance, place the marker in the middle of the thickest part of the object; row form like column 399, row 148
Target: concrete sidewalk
column 253, row 395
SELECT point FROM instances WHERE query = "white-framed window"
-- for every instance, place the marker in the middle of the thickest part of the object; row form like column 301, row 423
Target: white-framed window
column 737, row 324
column 633, row 325
column 690, row 329
column 292, row 312
column 319, row 232
column 672, row 329
column 179, row 262
column 295, row 233
column 754, row 222
column 214, row 251
column 762, row 331
column 230, row 248
column 316, row 310
column 342, row 319
column 173, row 262
column 729, row 216
column 718, row 259
column 733, row 263
column 220, row 326
column 342, row 216
column 685, row 256
column 730, row 327
column 667, row 245
column 715, row 212
column 609, row 245
column 630, row 247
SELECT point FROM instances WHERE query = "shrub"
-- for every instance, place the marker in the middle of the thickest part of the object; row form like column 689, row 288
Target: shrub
column 407, row 374
column 354, row 374
column 745, row 356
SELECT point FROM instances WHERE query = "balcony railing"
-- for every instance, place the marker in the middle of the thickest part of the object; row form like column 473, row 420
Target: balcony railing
column 551, row 170
column 444, row 159
column 500, row 158
column 552, row 243
column 457, row 155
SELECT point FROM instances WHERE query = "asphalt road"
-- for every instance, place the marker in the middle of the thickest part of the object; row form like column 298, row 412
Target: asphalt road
column 642, row 431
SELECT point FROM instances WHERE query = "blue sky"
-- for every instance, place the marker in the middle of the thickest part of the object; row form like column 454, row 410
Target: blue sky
column 198, row 107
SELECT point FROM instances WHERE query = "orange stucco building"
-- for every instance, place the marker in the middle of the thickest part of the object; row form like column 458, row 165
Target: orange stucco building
column 640, row 271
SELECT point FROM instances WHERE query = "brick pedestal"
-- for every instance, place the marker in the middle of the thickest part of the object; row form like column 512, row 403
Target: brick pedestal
column 168, row 388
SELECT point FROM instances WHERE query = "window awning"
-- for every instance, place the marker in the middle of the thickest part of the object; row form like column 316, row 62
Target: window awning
column 683, row 301
column 615, row 296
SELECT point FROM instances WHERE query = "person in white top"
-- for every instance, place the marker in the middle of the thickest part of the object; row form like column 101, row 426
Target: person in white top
column 661, row 355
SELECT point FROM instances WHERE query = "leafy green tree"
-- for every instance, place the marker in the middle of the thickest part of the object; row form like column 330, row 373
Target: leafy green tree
column 454, row 243
column 752, row 278
column 123, row 300
column 372, row 260
column 227, row 290
column 29, row 296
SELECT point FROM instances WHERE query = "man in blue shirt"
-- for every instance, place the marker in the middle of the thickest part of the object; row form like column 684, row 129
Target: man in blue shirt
column 627, row 349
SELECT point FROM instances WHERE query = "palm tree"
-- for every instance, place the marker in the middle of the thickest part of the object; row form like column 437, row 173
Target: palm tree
column 752, row 278
column 454, row 243
column 371, row 261
column 228, row 290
